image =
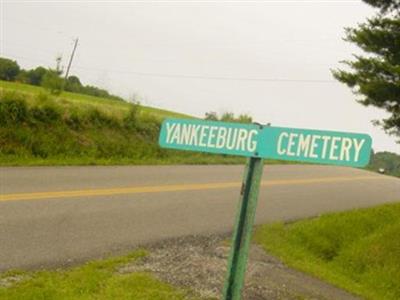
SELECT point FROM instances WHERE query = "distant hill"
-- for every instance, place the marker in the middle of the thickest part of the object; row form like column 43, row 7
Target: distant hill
column 389, row 161
column 106, row 105
column 53, row 80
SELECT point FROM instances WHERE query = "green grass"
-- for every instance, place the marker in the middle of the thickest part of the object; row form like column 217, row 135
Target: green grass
column 84, row 102
column 98, row 280
column 357, row 250
column 71, row 129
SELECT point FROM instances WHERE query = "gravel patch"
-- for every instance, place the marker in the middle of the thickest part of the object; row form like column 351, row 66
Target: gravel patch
column 199, row 264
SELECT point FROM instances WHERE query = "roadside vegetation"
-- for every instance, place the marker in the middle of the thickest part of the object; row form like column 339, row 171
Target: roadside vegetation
column 357, row 250
column 389, row 162
column 37, row 128
column 94, row 280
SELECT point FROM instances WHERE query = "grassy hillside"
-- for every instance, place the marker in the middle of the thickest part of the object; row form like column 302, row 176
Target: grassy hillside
column 84, row 102
column 39, row 129
column 357, row 250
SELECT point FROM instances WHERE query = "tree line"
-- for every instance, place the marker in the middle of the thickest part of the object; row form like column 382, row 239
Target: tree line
column 388, row 161
column 228, row 117
column 50, row 79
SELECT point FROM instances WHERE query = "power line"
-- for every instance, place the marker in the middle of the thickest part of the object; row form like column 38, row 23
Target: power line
column 184, row 76
column 202, row 77
column 231, row 78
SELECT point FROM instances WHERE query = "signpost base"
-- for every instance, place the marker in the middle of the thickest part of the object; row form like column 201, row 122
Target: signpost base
column 243, row 228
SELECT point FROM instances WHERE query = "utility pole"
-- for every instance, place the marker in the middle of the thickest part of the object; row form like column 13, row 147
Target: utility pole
column 70, row 59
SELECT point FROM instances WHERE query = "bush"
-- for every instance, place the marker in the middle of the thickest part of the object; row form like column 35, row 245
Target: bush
column 74, row 121
column 132, row 118
column 13, row 109
column 73, row 84
column 99, row 119
column 48, row 114
column 35, row 76
column 43, row 98
column 53, row 82
column 149, row 127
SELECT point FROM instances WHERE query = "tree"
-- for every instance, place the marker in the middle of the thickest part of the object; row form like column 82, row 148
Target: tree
column 35, row 76
column 375, row 75
column 244, row 118
column 73, row 84
column 388, row 161
column 53, row 82
column 211, row 116
column 9, row 69
column 228, row 117
column 22, row 76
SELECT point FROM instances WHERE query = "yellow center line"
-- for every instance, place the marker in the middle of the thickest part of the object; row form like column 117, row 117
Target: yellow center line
column 171, row 188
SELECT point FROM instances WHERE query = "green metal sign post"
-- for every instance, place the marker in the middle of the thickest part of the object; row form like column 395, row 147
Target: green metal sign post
column 258, row 142
column 243, row 227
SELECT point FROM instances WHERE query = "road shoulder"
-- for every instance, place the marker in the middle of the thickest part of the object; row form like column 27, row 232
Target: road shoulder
column 199, row 263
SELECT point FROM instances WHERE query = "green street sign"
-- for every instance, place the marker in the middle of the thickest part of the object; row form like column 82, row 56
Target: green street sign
column 314, row 146
column 209, row 136
column 258, row 142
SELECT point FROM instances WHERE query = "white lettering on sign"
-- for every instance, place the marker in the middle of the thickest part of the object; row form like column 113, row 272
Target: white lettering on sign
column 251, row 141
column 185, row 136
column 241, row 140
column 175, row 137
column 237, row 139
column 304, row 145
column 334, row 146
column 326, row 139
column 231, row 139
column 170, row 128
column 280, row 149
column 314, row 145
column 221, row 137
column 319, row 146
column 203, row 135
column 345, row 151
column 358, row 145
column 211, row 137
column 194, row 134
column 291, row 143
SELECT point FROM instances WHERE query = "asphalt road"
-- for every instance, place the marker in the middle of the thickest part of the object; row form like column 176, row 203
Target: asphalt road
column 54, row 216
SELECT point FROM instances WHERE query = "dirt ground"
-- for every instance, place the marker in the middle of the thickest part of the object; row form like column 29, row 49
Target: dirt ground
column 199, row 264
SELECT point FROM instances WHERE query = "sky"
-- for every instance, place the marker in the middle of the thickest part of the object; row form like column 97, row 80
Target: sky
column 269, row 59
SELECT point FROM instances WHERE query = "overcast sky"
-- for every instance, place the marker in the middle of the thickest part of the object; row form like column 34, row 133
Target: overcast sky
column 269, row 59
